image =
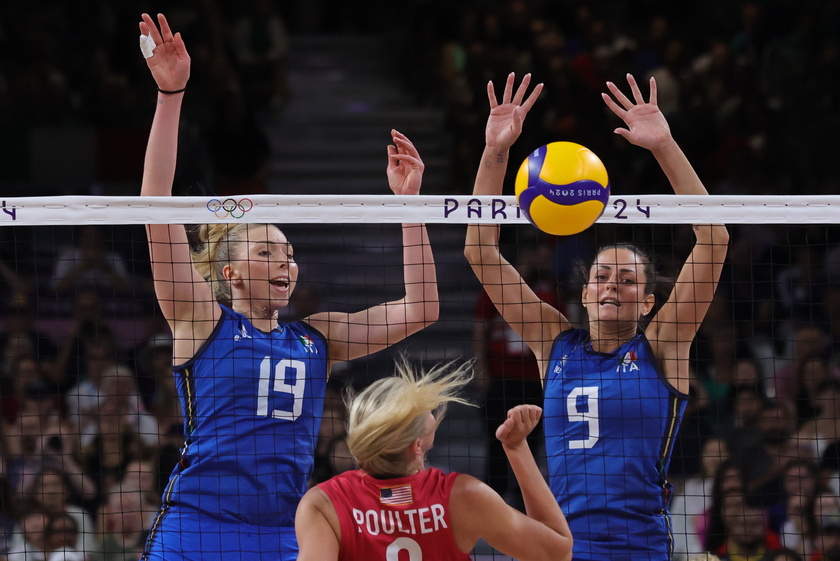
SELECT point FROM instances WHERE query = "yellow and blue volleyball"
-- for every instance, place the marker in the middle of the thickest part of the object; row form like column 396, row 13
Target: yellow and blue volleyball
column 562, row 188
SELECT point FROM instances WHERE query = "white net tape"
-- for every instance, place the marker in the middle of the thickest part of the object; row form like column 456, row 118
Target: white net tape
column 393, row 209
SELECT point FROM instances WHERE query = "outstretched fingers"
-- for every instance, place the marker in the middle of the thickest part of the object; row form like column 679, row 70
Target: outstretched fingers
column 634, row 88
column 509, row 97
column 150, row 29
column 165, row 30
column 506, row 97
column 180, row 47
column 532, row 99
column 614, row 107
column 523, row 87
column 491, row 95
column 402, row 150
column 619, row 96
column 652, row 91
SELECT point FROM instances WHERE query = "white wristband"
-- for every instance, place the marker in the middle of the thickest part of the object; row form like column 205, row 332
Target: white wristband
column 147, row 46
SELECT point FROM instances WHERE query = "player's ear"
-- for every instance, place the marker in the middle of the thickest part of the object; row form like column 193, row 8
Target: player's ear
column 229, row 273
column 648, row 304
column 416, row 448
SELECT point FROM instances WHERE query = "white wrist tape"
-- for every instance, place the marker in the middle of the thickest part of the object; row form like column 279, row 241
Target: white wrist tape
column 147, row 46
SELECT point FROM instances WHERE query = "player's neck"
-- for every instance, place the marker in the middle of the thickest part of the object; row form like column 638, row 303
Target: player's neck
column 608, row 341
column 261, row 317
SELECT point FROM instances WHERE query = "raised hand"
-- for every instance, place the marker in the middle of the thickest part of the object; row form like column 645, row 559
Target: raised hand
column 405, row 168
column 520, row 421
column 504, row 125
column 646, row 125
column 170, row 62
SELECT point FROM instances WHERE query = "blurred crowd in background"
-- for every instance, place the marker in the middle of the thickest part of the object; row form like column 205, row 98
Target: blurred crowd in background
column 91, row 422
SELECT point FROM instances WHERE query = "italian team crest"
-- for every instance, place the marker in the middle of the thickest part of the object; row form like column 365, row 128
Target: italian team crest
column 627, row 362
column 308, row 343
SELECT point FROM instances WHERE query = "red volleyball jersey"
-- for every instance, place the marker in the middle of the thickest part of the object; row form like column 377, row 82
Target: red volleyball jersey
column 405, row 519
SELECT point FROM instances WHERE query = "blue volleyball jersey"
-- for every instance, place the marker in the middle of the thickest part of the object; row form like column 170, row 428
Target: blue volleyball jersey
column 610, row 424
column 252, row 403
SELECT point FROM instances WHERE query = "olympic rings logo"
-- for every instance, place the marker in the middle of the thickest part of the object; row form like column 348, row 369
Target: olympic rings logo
column 229, row 207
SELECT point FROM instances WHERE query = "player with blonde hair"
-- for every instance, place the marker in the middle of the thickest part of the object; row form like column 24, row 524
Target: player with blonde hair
column 252, row 387
column 395, row 503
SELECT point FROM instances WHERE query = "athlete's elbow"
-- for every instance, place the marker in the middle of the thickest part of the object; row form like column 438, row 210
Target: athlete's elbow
column 480, row 255
column 566, row 550
column 720, row 235
column 472, row 253
column 429, row 313
column 551, row 554
column 560, row 550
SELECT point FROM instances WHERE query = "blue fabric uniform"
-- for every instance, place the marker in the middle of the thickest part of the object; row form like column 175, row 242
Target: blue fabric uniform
column 610, row 424
column 253, row 403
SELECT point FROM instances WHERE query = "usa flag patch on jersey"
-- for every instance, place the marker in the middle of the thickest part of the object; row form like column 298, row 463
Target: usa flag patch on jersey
column 399, row 495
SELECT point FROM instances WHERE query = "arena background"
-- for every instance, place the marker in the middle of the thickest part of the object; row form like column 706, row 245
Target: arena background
column 299, row 98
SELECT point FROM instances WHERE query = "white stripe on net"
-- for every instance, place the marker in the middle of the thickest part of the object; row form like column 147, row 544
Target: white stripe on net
column 395, row 209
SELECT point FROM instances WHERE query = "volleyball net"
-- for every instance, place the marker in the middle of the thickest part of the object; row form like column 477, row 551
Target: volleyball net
column 79, row 307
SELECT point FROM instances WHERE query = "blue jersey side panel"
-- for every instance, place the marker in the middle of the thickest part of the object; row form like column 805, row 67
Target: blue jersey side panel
column 610, row 424
column 253, row 403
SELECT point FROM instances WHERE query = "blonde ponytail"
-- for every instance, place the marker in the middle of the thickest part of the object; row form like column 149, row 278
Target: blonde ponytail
column 217, row 243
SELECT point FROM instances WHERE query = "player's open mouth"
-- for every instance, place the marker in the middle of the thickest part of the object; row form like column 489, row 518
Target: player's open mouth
column 282, row 283
column 611, row 302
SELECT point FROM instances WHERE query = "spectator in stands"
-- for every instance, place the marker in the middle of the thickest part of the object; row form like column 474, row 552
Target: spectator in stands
column 29, row 539
column 692, row 500
column 15, row 283
column 828, row 539
column 24, row 381
column 794, row 519
column 830, row 467
column 127, row 513
column 163, row 403
column 744, row 437
column 89, row 345
column 792, row 381
column 61, row 539
column 112, row 388
column 115, row 428
column 765, row 464
column 239, row 149
column 746, row 533
column 728, row 480
column 90, row 263
column 50, row 490
column 817, row 434
column 41, row 438
column 812, row 372
column 260, row 44
column 20, row 337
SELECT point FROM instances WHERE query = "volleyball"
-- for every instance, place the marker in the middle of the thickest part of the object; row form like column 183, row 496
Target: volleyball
column 562, row 188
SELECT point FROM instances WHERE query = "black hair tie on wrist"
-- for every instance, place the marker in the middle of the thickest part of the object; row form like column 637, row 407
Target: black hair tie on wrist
column 172, row 92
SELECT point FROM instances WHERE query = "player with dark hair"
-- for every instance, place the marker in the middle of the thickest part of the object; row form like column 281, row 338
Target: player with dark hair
column 615, row 392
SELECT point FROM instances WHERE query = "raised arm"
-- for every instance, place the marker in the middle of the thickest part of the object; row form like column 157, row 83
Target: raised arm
column 675, row 325
column 540, row 534
column 182, row 294
column 365, row 332
column 536, row 322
